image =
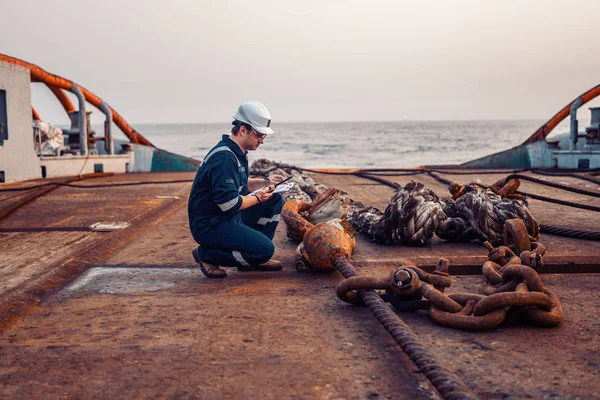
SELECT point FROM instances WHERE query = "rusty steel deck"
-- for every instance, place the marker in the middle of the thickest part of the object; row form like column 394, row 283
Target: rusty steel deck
column 126, row 314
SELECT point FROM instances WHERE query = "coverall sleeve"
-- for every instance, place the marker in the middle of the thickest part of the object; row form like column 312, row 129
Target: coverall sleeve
column 225, row 181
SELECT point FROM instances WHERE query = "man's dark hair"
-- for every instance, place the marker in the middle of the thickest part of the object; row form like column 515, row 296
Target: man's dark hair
column 236, row 126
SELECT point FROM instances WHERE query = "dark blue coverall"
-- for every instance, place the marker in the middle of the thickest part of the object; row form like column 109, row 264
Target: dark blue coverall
column 227, row 236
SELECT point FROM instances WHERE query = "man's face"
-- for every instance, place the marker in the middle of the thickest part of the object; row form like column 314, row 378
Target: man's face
column 254, row 139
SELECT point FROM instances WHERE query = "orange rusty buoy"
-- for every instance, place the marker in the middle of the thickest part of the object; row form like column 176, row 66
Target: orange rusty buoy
column 325, row 241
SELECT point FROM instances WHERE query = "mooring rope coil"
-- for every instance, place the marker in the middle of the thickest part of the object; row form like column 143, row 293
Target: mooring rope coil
column 445, row 382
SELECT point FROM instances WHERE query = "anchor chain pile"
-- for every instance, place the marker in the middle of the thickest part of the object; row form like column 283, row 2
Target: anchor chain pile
column 514, row 289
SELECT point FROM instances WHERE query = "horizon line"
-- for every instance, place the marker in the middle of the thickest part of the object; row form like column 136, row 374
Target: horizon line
column 352, row 121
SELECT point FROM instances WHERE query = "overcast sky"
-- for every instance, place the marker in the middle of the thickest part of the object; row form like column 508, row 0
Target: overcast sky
column 328, row 60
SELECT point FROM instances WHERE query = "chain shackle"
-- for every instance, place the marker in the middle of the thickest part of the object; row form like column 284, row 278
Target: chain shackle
column 439, row 278
column 404, row 282
column 515, row 234
column 534, row 258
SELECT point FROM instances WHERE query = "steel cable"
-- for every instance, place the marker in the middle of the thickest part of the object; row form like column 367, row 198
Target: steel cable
column 592, row 171
column 439, row 178
column 570, row 232
column 384, row 181
column 584, row 176
column 95, row 186
column 441, row 171
column 561, row 202
column 445, row 382
column 552, row 184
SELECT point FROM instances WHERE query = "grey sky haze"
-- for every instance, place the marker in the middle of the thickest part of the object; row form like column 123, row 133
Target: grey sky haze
column 195, row 61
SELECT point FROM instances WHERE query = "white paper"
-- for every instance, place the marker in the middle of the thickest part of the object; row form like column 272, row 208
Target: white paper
column 284, row 187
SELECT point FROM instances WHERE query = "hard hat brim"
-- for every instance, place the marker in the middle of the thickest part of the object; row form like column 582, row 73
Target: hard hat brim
column 264, row 130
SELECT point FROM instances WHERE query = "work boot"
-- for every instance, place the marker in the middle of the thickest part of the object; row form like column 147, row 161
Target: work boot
column 208, row 269
column 271, row 265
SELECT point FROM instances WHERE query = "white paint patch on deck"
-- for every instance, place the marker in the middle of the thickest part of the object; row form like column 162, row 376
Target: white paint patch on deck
column 109, row 226
column 116, row 280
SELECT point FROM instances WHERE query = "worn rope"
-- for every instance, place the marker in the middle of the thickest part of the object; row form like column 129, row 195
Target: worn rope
column 411, row 217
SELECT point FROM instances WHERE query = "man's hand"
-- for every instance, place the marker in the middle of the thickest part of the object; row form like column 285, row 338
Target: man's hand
column 275, row 179
column 263, row 195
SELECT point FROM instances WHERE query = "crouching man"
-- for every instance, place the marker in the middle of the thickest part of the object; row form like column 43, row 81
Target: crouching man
column 233, row 228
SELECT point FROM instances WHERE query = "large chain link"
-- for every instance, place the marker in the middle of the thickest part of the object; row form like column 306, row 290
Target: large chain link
column 513, row 287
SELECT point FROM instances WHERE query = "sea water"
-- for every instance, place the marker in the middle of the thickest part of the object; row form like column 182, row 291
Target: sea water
column 357, row 144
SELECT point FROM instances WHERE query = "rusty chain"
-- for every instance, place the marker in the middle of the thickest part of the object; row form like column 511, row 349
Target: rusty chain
column 513, row 286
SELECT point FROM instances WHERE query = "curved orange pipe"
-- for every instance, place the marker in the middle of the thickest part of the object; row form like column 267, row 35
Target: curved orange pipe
column 40, row 75
column 545, row 129
column 35, row 115
column 62, row 98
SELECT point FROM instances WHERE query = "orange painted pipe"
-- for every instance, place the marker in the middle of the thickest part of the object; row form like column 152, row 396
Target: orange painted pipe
column 62, row 98
column 40, row 75
column 545, row 129
column 35, row 115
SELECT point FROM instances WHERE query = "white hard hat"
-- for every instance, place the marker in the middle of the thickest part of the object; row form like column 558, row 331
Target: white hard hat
column 256, row 115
